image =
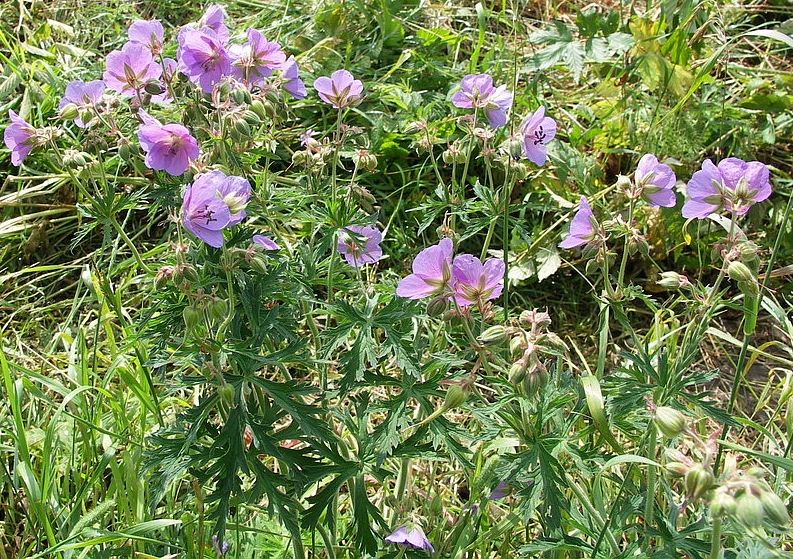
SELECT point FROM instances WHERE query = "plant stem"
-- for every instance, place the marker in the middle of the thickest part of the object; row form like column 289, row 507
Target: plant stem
column 506, row 239
column 584, row 500
column 624, row 261
column 715, row 540
column 649, row 503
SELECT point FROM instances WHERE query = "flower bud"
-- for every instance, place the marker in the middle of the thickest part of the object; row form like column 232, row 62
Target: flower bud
column 241, row 96
column 217, row 309
column 722, row 504
column 154, row 87
column 517, row 345
column 74, row 159
column 517, row 372
column 513, row 148
column 535, row 380
column 670, row 421
column 493, row 335
column 740, row 272
column 251, row 118
column 749, row 510
column 774, row 508
column 227, row 394
column 69, row 112
column 301, row 158
column 455, row 396
column 258, row 263
column 242, row 128
column 365, row 160
column 698, row 481
column 163, row 276
column 453, row 154
column 676, row 469
column 192, row 317
column 437, row 306
column 673, row 280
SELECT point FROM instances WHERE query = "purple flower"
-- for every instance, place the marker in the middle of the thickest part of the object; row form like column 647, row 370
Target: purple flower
column 432, row 270
column 204, row 214
column 474, row 282
column 213, row 202
column 221, row 547
column 340, row 90
column 733, row 185
column 582, row 228
column 265, row 242
column 202, row 57
column 655, row 181
column 477, row 92
column 168, row 147
column 85, row 97
column 291, row 79
column 213, row 18
column 256, row 60
column 148, row 33
column 537, row 130
column 360, row 244
column 500, row 491
column 127, row 70
column 412, row 537
column 20, row 137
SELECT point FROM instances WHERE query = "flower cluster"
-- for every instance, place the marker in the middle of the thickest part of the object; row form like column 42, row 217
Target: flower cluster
column 464, row 279
column 733, row 186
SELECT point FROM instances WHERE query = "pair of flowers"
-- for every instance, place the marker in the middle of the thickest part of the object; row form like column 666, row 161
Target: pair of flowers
column 733, row 185
column 464, row 278
column 478, row 92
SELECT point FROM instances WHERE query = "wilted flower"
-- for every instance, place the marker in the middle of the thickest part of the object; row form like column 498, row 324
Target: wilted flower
column 340, row 90
column 432, row 270
column 128, row 70
column 202, row 57
column 474, row 282
column 291, row 79
column 411, row 537
column 654, row 182
column 213, row 202
column 360, row 244
column 500, row 491
column 733, row 185
column 582, row 228
column 20, row 137
column 537, row 130
column 265, row 242
column 148, row 33
column 84, row 96
column 477, row 92
column 168, row 147
column 255, row 60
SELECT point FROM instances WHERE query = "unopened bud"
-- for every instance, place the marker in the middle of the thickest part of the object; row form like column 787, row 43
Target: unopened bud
column 698, row 481
column 217, row 309
column 252, row 118
column 723, row 504
column 437, row 306
column 738, row 271
column 517, row 372
column 301, row 158
column 154, row 87
column 494, row 334
column 163, row 276
column 670, row 421
column 673, row 280
column 242, row 128
column 455, row 396
column 453, row 155
column 774, row 508
column 517, row 344
column 69, row 112
column 749, row 510
column 227, row 394
column 73, row 158
column 241, row 96
column 192, row 317
column 365, row 160
column 676, row 469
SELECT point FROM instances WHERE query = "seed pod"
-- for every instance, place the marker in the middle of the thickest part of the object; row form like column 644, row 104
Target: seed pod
column 774, row 508
column 738, row 271
column 749, row 510
column 723, row 504
column 670, row 421
column 698, row 481
column 455, row 396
